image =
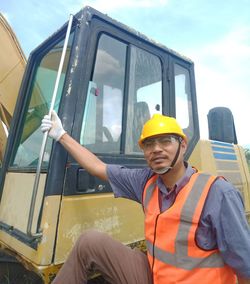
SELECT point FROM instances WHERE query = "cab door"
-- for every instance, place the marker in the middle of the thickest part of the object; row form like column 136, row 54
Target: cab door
column 123, row 89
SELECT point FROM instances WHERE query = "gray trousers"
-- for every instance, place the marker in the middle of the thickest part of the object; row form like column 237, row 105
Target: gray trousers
column 97, row 251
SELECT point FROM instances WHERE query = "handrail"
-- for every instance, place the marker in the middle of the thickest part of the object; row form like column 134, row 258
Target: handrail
column 38, row 234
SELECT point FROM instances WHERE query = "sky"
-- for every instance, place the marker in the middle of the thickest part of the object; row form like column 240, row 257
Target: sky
column 214, row 34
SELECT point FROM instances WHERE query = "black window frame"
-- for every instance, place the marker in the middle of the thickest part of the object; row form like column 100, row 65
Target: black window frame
column 99, row 26
column 189, row 66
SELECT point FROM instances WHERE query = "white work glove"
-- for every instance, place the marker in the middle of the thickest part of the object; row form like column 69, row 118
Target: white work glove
column 53, row 125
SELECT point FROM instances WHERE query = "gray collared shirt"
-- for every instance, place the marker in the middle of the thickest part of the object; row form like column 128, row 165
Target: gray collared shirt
column 222, row 225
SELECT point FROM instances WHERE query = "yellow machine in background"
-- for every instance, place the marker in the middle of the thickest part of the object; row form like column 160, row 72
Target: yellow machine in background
column 226, row 160
column 12, row 66
column 104, row 80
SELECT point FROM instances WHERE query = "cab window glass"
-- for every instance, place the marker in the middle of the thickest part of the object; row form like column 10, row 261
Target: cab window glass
column 102, row 119
column 28, row 148
column 145, row 95
column 184, row 114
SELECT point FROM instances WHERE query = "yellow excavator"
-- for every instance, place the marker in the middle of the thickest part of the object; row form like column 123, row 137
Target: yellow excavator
column 104, row 80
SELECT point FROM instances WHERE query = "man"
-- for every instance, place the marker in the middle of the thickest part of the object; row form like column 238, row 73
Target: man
column 195, row 227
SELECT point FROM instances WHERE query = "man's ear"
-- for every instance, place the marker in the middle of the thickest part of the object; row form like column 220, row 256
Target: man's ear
column 184, row 146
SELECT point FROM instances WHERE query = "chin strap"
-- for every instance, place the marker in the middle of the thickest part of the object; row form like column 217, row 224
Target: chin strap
column 168, row 169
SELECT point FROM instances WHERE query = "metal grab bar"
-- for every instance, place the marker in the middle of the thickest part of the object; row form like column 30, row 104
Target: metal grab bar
column 45, row 136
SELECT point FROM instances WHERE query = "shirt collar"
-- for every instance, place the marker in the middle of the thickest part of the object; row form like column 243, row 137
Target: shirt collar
column 180, row 183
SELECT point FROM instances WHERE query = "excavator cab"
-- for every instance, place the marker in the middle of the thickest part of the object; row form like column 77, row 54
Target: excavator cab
column 113, row 79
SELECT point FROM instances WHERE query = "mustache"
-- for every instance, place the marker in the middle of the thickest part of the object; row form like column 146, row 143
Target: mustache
column 156, row 157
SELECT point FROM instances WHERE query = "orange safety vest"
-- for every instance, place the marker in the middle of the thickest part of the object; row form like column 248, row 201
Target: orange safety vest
column 173, row 253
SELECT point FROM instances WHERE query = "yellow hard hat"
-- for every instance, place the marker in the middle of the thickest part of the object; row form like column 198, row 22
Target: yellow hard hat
column 160, row 124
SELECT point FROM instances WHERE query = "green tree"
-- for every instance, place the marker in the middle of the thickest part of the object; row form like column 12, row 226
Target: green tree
column 247, row 154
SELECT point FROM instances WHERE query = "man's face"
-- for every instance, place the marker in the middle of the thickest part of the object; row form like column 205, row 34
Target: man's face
column 160, row 151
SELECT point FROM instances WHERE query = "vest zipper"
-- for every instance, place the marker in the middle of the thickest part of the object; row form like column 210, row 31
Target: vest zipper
column 152, row 267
